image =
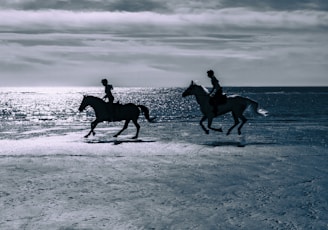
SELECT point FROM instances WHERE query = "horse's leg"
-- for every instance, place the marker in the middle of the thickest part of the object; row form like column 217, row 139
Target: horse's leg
column 135, row 122
column 93, row 126
column 236, row 123
column 244, row 120
column 124, row 128
column 209, row 125
column 201, row 124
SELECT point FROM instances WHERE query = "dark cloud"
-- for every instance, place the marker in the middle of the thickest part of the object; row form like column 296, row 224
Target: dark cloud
column 137, row 5
column 163, row 6
column 87, row 5
column 278, row 4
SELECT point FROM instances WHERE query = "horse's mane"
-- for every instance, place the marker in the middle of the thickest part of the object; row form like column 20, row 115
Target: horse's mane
column 205, row 89
column 90, row 96
column 95, row 98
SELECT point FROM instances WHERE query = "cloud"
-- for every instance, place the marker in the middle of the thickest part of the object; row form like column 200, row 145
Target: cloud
column 238, row 18
column 165, row 43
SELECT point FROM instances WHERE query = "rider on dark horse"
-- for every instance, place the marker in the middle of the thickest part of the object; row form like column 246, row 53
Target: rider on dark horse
column 109, row 96
column 216, row 95
column 108, row 91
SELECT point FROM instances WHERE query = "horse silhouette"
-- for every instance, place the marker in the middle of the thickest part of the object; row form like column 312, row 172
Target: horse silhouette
column 234, row 104
column 114, row 112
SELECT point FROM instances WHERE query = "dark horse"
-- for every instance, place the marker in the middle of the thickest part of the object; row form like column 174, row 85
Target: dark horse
column 119, row 112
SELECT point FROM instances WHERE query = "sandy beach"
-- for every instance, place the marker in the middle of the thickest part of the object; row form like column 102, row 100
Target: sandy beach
column 158, row 184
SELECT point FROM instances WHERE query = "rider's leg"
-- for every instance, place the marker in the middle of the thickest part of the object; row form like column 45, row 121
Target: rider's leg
column 215, row 107
column 111, row 111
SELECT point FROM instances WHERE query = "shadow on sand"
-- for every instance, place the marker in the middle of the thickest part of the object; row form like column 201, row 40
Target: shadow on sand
column 235, row 143
column 118, row 141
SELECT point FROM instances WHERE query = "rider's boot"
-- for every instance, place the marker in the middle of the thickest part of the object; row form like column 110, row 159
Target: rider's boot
column 215, row 110
column 111, row 111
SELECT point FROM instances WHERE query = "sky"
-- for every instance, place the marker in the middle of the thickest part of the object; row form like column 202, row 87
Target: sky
column 152, row 43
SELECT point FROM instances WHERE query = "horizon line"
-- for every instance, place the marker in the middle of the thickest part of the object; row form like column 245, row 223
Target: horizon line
column 228, row 86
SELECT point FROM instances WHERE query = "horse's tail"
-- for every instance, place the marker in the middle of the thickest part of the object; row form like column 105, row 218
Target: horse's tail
column 145, row 111
column 255, row 108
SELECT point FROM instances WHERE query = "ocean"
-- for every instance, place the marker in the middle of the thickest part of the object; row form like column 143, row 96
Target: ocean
column 174, row 176
column 297, row 115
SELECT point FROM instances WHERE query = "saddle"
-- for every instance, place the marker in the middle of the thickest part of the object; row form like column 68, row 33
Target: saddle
column 222, row 99
column 218, row 99
column 114, row 109
column 113, row 106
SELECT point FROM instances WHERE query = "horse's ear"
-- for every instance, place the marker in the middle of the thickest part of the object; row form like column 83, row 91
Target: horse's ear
column 192, row 83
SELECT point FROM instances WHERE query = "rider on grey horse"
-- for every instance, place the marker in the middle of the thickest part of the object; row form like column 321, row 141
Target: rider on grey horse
column 216, row 95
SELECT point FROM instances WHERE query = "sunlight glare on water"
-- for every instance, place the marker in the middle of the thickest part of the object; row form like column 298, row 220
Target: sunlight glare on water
column 291, row 111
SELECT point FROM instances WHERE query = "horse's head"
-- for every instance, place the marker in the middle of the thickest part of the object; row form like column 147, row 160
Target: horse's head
column 193, row 89
column 190, row 90
column 84, row 103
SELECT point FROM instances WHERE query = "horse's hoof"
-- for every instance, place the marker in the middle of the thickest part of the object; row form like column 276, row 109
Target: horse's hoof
column 135, row 137
column 207, row 132
column 86, row 136
column 220, row 130
column 115, row 136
